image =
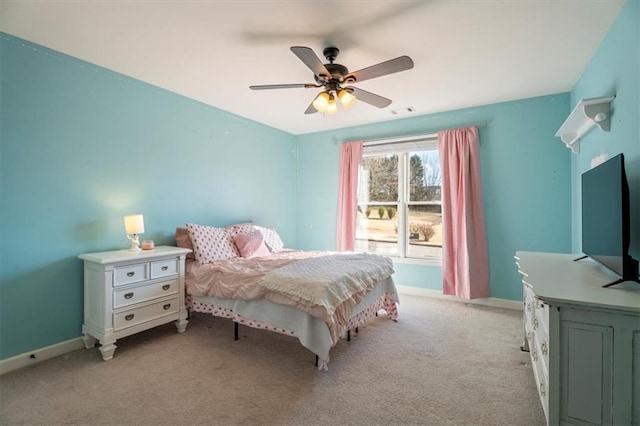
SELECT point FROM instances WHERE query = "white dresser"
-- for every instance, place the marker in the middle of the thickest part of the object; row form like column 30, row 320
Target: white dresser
column 536, row 341
column 584, row 340
column 127, row 292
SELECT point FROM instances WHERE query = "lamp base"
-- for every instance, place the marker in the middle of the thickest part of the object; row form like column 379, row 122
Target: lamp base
column 135, row 243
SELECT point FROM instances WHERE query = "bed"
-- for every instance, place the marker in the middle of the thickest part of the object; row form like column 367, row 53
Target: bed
column 244, row 273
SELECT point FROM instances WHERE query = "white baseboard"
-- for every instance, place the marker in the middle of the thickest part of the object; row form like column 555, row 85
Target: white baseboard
column 437, row 294
column 39, row 355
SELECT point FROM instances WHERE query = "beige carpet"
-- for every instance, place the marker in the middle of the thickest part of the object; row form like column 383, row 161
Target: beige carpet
column 443, row 363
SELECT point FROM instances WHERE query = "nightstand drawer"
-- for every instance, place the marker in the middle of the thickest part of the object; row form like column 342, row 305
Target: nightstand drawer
column 130, row 274
column 142, row 314
column 164, row 268
column 133, row 295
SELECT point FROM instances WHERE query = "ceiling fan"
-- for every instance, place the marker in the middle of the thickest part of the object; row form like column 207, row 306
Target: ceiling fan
column 332, row 77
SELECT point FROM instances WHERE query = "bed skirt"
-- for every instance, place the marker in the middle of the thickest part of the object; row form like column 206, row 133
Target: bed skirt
column 312, row 332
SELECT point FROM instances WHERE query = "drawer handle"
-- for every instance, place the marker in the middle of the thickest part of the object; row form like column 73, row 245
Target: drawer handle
column 166, row 287
column 543, row 389
column 164, row 268
column 544, row 348
column 129, row 317
column 167, row 306
column 534, row 355
column 128, row 295
column 535, row 323
column 130, row 274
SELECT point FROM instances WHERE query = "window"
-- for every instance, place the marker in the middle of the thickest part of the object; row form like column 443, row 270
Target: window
column 399, row 200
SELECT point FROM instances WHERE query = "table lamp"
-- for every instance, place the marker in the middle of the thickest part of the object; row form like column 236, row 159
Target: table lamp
column 134, row 225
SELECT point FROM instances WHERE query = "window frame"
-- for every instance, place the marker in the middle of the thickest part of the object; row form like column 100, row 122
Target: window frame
column 403, row 147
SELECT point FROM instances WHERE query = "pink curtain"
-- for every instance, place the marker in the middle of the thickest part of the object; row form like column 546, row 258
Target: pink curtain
column 465, row 265
column 350, row 158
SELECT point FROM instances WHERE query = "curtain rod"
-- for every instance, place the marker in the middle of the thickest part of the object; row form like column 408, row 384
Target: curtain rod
column 409, row 138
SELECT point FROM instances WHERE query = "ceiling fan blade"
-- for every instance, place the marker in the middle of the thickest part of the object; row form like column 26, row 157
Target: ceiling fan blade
column 284, row 86
column 370, row 98
column 391, row 66
column 311, row 109
column 311, row 60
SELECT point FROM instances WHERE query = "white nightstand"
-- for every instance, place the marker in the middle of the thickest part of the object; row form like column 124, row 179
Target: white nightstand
column 127, row 292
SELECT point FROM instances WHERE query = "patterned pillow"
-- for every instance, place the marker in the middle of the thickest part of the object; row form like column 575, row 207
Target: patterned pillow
column 240, row 228
column 251, row 245
column 211, row 243
column 271, row 238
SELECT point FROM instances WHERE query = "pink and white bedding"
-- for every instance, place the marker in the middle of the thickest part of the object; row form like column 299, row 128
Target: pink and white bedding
column 324, row 285
column 314, row 296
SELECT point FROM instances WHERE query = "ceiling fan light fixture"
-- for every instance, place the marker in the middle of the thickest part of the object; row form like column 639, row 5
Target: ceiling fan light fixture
column 347, row 98
column 321, row 102
column 332, row 106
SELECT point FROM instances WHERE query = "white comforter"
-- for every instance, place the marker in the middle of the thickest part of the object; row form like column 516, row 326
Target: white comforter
column 328, row 281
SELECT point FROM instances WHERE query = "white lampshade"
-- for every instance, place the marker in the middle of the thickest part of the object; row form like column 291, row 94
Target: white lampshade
column 134, row 224
column 332, row 106
column 321, row 101
column 347, row 98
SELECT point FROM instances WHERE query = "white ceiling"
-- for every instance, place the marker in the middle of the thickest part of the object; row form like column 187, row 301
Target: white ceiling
column 466, row 52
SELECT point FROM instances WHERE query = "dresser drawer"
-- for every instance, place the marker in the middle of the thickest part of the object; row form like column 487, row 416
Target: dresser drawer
column 528, row 307
column 542, row 314
column 164, row 268
column 540, row 325
column 142, row 314
column 130, row 274
column 542, row 347
column 142, row 293
column 541, row 374
column 539, row 349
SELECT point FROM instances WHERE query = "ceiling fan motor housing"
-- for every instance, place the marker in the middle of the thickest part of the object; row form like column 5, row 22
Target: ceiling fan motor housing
column 331, row 53
column 337, row 71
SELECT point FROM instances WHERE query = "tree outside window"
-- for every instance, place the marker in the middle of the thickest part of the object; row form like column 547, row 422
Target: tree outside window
column 399, row 208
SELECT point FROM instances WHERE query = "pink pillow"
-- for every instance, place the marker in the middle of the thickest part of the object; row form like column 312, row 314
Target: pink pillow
column 251, row 245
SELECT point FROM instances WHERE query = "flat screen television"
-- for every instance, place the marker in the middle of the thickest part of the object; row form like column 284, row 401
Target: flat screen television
column 606, row 232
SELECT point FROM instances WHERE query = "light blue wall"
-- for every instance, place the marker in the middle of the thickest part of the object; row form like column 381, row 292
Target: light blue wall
column 81, row 147
column 613, row 71
column 526, row 178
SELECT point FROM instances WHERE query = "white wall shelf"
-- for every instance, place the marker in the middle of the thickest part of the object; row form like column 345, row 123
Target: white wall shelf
column 587, row 114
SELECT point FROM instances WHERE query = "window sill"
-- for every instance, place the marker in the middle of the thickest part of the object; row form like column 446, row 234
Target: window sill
column 413, row 261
